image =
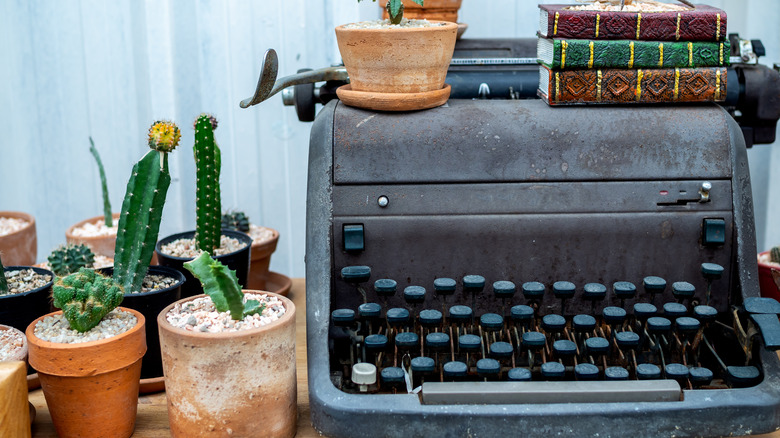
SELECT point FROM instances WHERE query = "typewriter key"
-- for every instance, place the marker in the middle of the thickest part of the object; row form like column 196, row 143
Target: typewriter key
column 586, row 371
column 583, row 323
column 385, row 287
column 675, row 310
column 343, row 317
column 624, row 289
column 468, row 343
column 564, row 348
column 437, row 341
column 501, row 350
column 705, row 314
column 473, row 283
column 392, row 375
column 423, row 365
column 491, row 322
column 553, row 323
column 407, row 340
column 700, row 376
column 594, row 291
column 455, row 369
column 504, row 289
column 375, row 342
column 519, row 375
column 653, row 286
column 414, row 294
column 616, row 373
column 686, row 324
column 370, row 310
column 533, row 290
column 657, row 324
column 682, row 290
column 614, row 315
column 356, row 274
column 648, row 371
column 398, row 316
column 563, row 289
column 533, row 340
column 597, row 346
column 627, row 340
column 488, row 367
column 676, row 371
column 642, row 311
column 710, row 271
column 444, row 286
column 553, row 370
column 522, row 313
column 460, row 314
column 430, row 318
column 742, row 377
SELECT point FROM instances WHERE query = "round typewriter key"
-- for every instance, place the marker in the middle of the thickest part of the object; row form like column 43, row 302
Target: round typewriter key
column 356, row 274
column 594, row 291
column 533, row 340
column 407, row 340
column 648, row 371
column 675, row 310
column 583, row 323
column 385, row 287
column 653, row 284
column 414, row 294
column 553, row 323
column 586, row 371
column 488, row 367
column 686, row 324
column 644, row 310
column 657, row 324
column 705, row 314
column 455, row 369
column 700, row 376
column 444, row 286
column 519, row 375
column 564, row 348
column 473, row 283
column 398, row 316
column 553, row 370
column 491, row 322
column 521, row 313
column 711, row 271
column 597, row 345
column 460, row 313
column 469, row 342
column 676, row 371
column 533, row 290
column 616, row 373
column 501, row 350
column 430, row 318
column 392, row 375
column 627, row 340
column 423, row 365
column 375, row 342
column 743, row 376
column 614, row 315
column 683, row 290
column 343, row 317
column 437, row 340
column 370, row 310
column 504, row 289
column 624, row 289
column 563, row 289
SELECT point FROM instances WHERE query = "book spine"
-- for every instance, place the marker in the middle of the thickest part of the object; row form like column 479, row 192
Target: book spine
column 706, row 84
column 570, row 54
column 696, row 25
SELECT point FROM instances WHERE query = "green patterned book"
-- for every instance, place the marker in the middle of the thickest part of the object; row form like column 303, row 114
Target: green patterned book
column 566, row 54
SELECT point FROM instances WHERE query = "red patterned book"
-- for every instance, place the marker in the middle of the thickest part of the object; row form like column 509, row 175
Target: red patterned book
column 660, row 85
column 704, row 23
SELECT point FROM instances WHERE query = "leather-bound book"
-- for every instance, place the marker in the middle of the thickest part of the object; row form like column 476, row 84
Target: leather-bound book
column 566, row 87
column 570, row 54
column 704, row 23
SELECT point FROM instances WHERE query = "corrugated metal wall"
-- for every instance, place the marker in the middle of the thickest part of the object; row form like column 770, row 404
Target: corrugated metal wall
column 72, row 69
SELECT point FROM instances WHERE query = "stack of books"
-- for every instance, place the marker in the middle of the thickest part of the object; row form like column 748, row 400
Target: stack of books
column 603, row 56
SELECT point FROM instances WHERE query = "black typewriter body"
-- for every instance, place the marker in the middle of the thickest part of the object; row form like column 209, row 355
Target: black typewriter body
column 515, row 191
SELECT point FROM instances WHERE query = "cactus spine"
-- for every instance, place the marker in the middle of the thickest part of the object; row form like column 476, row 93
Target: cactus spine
column 774, row 254
column 142, row 208
column 236, row 220
column 208, row 201
column 67, row 259
column 221, row 285
column 3, row 282
column 106, row 202
column 86, row 297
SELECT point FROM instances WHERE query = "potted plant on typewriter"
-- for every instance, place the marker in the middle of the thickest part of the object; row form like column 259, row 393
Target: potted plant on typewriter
column 229, row 246
column 18, row 238
column 769, row 273
column 229, row 359
column 396, row 64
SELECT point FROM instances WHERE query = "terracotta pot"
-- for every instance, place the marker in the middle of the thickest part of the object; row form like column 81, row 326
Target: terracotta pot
column 91, row 388
column 260, row 260
column 438, row 10
column 231, row 384
column 766, row 282
column 103, row 245
column 20, row 354
column 397, row 60
column 15, row 410
column 21, row 247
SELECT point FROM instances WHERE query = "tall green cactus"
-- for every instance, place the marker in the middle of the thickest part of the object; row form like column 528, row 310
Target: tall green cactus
column 774, row 254
column 86, row 297
column 142, row 208
column 107, row 216
column 221, row 285
column 67, row 259
column 3, row 282
column 208, row 201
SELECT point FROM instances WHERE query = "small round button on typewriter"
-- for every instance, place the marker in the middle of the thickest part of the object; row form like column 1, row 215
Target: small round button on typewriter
column 616, row 373
column 370, row 310
column 519, row 375
column 473, row 283
column 414, row 294
column 583, row 323
column 488, row 367
column 423, row 365
column 700, row 376
column 553, row 370
column 563, row 289
column 469, row 342
column 627, row 340
column 356, row 274
column 501, row 349
column 553, row 323
column 594, row 291
column 686, row 324
column 430, row 317
column 597, row 345
column 533, row 340
column 491, row 321
column 343, row 317
column 455, row 369
column 743, row 376
column 385, row 287
column 676, row 371
column 705, row 314
column 644, row 310
column 682, row 290
column 564, row 348
column 504, row 289
column 460, row 313
column 648, row 371
column 586, row 371
column 437, row 340
column 407, row 340
column 375, row 342
column 533, row 290
column 614, row 315
column 521, row 313
column 444, row 286
column 711, row 271
column 658, row 324
column 654, row 284
column 624, row 289
column 392, row 375
column 398, row 316
column 675, row 310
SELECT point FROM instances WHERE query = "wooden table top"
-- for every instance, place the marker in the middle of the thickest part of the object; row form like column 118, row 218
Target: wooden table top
column 152, row 421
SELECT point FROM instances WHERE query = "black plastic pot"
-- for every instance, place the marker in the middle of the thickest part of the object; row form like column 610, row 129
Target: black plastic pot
column 150, row 304
column 237, row 261
column 20, row 310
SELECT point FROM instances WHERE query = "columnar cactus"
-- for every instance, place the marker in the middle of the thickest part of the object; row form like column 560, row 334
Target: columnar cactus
column 236, row 220
column 67, row 259
column 221, row 285
column 774, row 254
column 208, row 163
column 3, row 282
column 86, row 297
column 106, row 202
column 395, row 9
column 142, row 208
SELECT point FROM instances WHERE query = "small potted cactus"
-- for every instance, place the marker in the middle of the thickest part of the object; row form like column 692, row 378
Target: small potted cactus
column 99, row 232
column 24, row 294
column 88, row 357
column 18, row 238
column 440, row 10
column 202, row 335
column 769, row 273
column 264, row 241
column 229, row 246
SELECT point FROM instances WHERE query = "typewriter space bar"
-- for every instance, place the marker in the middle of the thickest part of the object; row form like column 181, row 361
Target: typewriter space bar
column 500, row 393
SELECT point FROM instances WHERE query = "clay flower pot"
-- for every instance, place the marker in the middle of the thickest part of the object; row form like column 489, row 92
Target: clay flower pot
column 19, row 354
column 103, row 245
column 439, row 10
column 239, row 383
column 766, row 277
column 20, row 247
column 260, row 260
column 91, row 388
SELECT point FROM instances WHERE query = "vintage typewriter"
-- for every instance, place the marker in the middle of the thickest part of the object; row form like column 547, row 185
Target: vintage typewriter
column 496, row 267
